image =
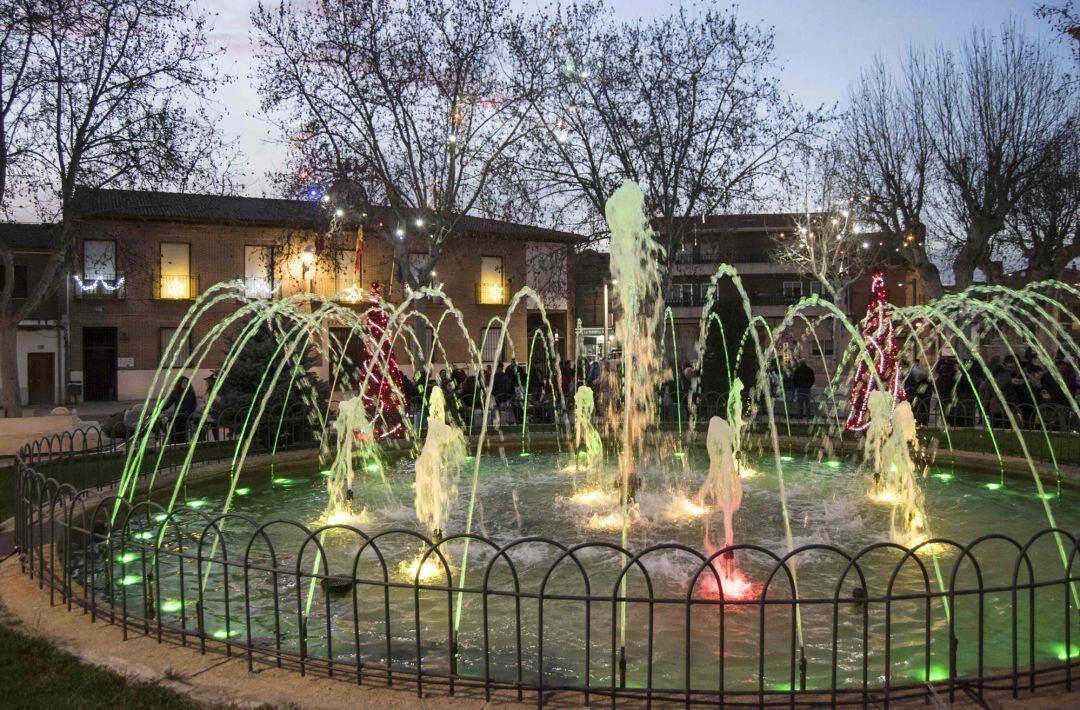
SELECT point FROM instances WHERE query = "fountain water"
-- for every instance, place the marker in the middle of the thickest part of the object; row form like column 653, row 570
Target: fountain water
column 355, row 440
column 437, row 467
column 890, row 438
column 587, row 442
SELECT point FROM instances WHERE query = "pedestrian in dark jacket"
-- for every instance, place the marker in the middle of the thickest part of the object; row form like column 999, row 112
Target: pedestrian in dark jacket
column 803, row 381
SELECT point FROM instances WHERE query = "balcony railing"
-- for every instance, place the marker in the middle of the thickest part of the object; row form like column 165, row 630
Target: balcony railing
column 712, row 258
column 696, row 300
column 87, row 288
column 343, row 288
column 175, row 287
column 261, row 287
column 494, row 293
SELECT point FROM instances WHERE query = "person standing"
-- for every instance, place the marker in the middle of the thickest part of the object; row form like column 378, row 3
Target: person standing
column 802, row 379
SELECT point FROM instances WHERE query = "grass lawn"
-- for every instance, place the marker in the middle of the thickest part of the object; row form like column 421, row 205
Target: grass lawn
column 35, row 674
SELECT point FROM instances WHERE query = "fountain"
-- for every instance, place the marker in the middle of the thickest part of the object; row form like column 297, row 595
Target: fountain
column 581, row 563
column 587, row 442
column 437, row 467
column 890, row 439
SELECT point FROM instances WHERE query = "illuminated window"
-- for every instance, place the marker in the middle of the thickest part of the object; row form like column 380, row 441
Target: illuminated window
column 259, row 271
column 175, row 280
column 492, row 286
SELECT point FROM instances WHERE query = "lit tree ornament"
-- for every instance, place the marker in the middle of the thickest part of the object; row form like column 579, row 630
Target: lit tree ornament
column 879, row 336
column 382, row 393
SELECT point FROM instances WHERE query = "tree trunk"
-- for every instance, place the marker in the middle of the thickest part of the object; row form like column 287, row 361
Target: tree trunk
column 9, row 368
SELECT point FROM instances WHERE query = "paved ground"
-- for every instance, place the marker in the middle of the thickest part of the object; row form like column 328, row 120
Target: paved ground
column 86, row 410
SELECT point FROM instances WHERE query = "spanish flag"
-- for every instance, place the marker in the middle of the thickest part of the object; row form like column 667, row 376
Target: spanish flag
column 359, row 248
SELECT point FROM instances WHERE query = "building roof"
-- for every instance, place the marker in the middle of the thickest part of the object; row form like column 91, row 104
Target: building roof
column 767, row 221
column 95, row 203
column 19, row 235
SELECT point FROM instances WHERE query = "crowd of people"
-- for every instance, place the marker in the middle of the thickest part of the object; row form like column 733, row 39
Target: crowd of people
column 1024, row 386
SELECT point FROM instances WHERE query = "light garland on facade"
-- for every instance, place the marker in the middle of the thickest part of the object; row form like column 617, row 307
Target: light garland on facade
column 98, row 284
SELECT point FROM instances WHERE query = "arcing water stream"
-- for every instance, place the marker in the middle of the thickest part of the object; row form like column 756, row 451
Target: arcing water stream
column 647, row 498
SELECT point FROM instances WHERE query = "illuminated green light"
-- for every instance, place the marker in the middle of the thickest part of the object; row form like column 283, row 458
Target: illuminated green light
column 679, row 454
column 161, row 517
column 1059, row 652
column 1046, row 496
column 242, row 491
column 785, row 687
column 326, row 474
column 144, row 535
column 787, row 458
column 130, row 580
column 936, row 673
column 993, row 486
column 946, row 477
column 282, row 481
column 469, row 458
column 834, row 463
column 582, row 454
column 198, row 503
column 223, row 634
column 127, row 557
column 171, row 606
column 524, row 453
column 373, row 468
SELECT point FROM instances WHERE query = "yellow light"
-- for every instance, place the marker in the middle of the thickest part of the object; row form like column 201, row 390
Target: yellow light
column 494, row 293
column 747, row 473
column 429, row 571
column 307, row 257
column 175, row 287
column 611, row 521
column 884, row 497
column 592, row 498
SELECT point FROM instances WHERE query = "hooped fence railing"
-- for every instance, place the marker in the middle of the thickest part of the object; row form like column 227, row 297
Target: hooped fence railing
column 536, row 618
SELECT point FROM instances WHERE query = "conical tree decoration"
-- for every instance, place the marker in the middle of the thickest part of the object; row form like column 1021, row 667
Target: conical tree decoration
column 883, row 370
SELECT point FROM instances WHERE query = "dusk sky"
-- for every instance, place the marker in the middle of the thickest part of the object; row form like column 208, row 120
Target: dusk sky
column 821, row 44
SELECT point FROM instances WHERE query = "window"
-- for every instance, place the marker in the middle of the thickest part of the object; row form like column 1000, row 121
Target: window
column 682, row 294
column 259, row 271
column 175, row 265
column 816, row 287
column 183, row 348
column 793, row 289
column 19, row 290
column 492, row 286
column 99, row 260
column 491, row 351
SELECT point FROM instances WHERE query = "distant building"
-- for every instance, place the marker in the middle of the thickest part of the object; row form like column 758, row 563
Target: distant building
column 142, row 258
column 40, row 343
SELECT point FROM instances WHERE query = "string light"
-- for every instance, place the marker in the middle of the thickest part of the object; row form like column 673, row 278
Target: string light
column 381, row 397
column 880, row 338
column 98, row 285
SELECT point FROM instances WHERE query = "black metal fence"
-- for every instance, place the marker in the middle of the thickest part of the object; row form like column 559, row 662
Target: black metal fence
column 537, row 618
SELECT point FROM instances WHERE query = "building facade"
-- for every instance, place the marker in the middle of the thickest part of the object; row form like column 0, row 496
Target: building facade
column 143, row 258
column 40, row 342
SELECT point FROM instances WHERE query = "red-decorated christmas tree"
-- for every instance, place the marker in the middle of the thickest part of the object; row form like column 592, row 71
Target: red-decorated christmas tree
column 382, row 391
column 881, row 365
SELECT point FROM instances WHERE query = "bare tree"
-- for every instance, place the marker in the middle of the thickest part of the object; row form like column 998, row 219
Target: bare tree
column 956, row 142
column 887, row 163
column 116, row 79
column 1065, row 19
column 401, row 111
column 688, row 105
column 992, row 109
column 1045, row 227
column 18, row 81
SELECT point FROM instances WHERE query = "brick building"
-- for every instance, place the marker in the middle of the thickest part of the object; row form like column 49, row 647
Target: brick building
column 142, row 258
column 40, row 344
column 747, row 242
